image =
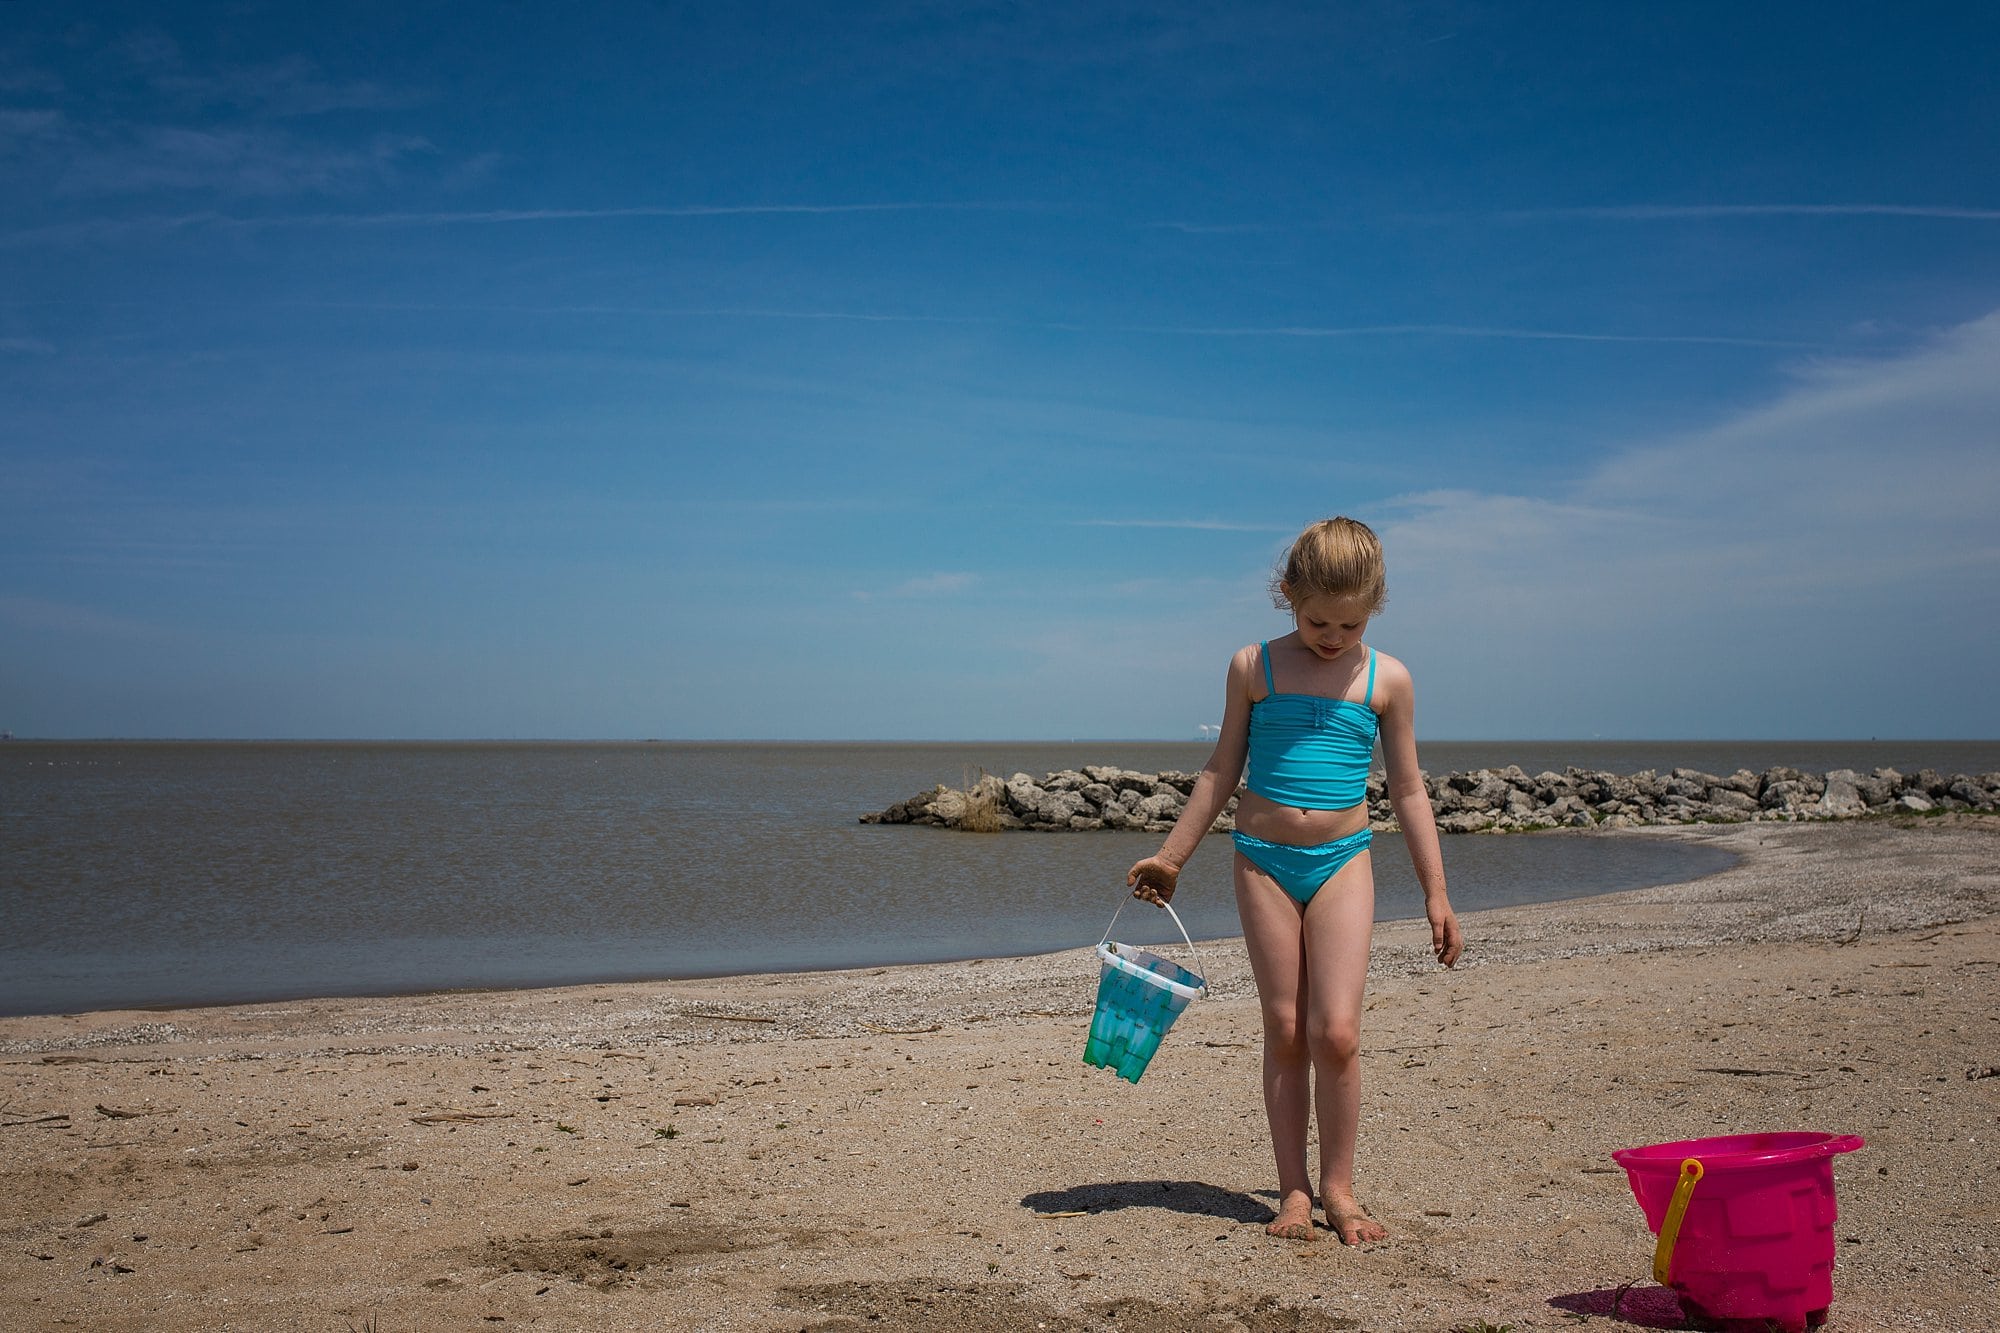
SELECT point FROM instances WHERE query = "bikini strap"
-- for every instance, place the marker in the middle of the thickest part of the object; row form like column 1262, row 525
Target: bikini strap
column 1368, row 696
column 1264, row 651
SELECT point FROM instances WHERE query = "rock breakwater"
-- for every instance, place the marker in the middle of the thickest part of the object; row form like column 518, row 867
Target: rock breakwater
column 1486, row 800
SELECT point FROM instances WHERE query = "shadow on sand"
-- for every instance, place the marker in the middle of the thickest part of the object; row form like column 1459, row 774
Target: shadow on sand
column 1634, row 1306
column 1180, row 1196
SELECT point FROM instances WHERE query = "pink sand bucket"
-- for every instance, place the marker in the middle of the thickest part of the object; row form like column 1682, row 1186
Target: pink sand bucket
column 1745, row 1223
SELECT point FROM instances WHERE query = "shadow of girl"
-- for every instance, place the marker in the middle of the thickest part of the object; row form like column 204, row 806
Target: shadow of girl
column 1180, row 1196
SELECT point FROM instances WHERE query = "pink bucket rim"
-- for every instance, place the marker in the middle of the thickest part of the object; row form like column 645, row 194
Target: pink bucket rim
column 1732, row 1151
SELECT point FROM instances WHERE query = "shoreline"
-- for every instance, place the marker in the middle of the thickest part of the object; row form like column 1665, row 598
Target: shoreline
column 1509, row 940
column 430, row 970
column 920, row 1145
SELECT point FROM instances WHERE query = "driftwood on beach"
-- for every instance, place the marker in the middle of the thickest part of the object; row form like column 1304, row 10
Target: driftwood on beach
column 1486, row 800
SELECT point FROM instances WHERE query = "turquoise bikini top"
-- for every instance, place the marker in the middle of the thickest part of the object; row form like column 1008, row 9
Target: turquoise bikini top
column 1309, row 751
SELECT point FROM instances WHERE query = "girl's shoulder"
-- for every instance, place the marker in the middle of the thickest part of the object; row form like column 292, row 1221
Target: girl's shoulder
column 1246, row 671
column 1390, row 673
column 1253, row 653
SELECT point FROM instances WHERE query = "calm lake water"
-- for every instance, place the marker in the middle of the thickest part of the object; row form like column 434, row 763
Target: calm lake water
column 172, row 873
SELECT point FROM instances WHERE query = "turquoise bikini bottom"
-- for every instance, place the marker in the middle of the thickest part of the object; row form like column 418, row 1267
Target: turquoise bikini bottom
column 1300, row 871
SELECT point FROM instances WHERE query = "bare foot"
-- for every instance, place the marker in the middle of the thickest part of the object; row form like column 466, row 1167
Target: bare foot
column 1294, row 1220
column 1354, row 1224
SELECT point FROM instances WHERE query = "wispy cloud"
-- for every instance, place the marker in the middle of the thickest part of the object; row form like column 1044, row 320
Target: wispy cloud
column 494, row 216
column 477, row 170
column 245, row 161
column 26, row 347
column 745, row 312
column 1605, row 212
column 1435, row 331
column 41, row 615
column 20, row 125
column 31, row 82
column 48, row 152
column 289, row 87
column 543, row 309
column 511, row 215
column 942, row 584
column 1327, row 332
column 1230, row 228
column 1180, row 524
column 1858, row 475
column 1800, row 559
column 161, row 123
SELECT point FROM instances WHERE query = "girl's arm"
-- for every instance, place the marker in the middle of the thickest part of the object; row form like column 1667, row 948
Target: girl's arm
column 1155, row 877
column 1412, row 805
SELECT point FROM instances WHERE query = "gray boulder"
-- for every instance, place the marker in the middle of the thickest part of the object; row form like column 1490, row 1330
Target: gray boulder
column 1842, row 799
column 1732, row 801
column 1973, row 796
column 1064, row 808
column 1024, row 798
column 1099, row 794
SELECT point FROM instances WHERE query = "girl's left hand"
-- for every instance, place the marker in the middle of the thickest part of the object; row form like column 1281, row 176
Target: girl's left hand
column 1447, row 941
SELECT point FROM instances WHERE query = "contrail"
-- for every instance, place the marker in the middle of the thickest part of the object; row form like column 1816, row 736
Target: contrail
column 112, row 227
column 1670, row 212
column 446, row 219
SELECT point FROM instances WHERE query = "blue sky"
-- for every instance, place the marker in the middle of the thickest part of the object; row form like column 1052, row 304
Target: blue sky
column 904, row 370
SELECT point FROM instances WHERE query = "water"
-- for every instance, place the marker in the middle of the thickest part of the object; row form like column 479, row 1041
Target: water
column 168, row 873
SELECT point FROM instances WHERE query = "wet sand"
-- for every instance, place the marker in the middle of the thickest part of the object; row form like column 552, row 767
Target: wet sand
column 922, row 1147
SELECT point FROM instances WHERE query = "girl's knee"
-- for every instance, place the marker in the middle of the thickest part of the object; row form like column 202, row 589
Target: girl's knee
column 1285, row 1035
column 1335, row 1043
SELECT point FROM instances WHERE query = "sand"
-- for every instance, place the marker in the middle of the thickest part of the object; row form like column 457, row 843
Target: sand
column 922, row 1147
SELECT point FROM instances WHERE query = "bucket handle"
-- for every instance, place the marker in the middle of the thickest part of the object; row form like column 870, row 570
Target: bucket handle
column 1125, row 898
column 1670, row 1225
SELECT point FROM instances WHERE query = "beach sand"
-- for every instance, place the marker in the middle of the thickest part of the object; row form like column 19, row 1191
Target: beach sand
column 923, row 1148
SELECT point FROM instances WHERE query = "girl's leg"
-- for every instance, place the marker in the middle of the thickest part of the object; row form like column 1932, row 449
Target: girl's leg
column 1336, row 930
column 1273, row 932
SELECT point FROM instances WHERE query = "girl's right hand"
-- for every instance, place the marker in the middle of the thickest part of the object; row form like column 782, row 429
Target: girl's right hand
column 1153, row 879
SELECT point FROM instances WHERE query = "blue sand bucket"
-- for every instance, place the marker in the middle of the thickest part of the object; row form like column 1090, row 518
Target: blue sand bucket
column 1139, row 995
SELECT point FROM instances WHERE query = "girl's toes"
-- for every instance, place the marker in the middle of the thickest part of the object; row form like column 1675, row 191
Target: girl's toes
column 1355, row 1225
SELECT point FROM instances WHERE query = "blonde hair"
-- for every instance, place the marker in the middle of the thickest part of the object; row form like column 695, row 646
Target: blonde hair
column 1335, row 557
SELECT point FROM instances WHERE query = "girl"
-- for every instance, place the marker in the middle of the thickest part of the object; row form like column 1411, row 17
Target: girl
column 1305, row 711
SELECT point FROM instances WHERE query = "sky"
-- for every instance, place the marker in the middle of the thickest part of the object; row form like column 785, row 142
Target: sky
column 912, row 371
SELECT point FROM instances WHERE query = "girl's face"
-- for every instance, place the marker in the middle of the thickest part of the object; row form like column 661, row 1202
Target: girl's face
column 1328, row 625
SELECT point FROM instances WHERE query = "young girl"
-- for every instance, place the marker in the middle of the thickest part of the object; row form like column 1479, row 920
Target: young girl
column 1305, row 711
